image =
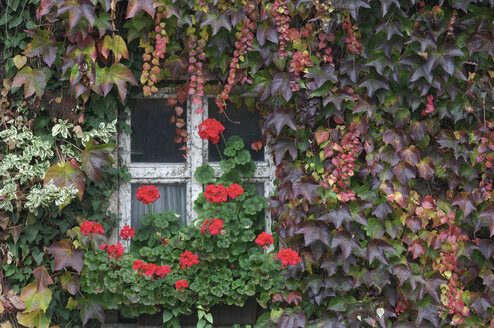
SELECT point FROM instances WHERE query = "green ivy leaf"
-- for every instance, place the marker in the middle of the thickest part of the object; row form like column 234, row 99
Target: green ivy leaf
column 34, row 81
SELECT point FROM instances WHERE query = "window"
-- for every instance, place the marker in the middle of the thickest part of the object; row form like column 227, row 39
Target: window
column 153, row 158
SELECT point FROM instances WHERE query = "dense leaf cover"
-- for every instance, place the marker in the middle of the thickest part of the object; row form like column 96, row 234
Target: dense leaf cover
column 380, row 116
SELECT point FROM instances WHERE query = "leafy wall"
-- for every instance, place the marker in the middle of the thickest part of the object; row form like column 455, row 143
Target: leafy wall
column 380, row 114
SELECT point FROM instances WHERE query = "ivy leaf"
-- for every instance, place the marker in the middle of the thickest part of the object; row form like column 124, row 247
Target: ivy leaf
column 385, row 4
column 66, row 254
column 33, row 80
column 395, row 139
column 344, row 239
column 465, row 201
column 117, row 45
column 426, row 168
column 486, row 247
column 432, row 285
column 443, row 57
column 375, row 250
column 292, row 319
column 36, row 319
column 338, row 216
column 117, row 74
column 404, row 172
column 77, row 9
column 382, row 210
column 488, row 213
column 417, row 130
column 402, row 273
column 306, row 189
column 281, row 84
column 266, row 32
column 410, row 154
column 319, row 76
column 216, row 20
column 65, row 174
column 90, row 310
column 94, row 157
column 280, row 147
column 134, row 6
column 70, row 283
column 42, row 44
column 373, row 85
column 429, row 312
column 313, row 232
column 416, row 248
column 281, row 118
column 43, row 278
column 35, row 299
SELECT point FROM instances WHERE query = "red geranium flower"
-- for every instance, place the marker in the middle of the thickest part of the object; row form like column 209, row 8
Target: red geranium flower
column 149, row 269
column 235, row 190
column 88, row 227
column 138, row 264
column 187, row 259
column 216, row 194
column 211, row 129
column 147, row 194
column 181, row 284
column 114, row 251
column 264, row 240
column 288, row 256
column 214, row 226
column 162, row 270
column 127, row 232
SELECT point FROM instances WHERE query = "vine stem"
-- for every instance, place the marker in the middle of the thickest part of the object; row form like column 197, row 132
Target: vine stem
column 219, row 152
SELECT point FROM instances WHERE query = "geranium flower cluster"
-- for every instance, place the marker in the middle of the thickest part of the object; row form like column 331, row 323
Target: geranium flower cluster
column 147, row 194
column 187, row 259
column 264, row 240
column 220, row 194
column 288, row 257
column 88, row 227
column 213, row 226
column 180, row 285
column 114, row 251
column 150, row 269
column 127, row 232
column 210, row 130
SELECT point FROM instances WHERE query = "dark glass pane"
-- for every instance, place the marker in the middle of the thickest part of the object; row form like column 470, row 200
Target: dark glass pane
column 172, row 197
column 153, row 134
column 248, row 128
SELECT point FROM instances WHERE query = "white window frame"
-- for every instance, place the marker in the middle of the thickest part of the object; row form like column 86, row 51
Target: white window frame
column 169, row 173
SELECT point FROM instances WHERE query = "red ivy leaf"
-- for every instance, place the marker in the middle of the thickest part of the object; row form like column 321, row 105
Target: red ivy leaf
column 294, row 298
column 395, row 139
column 404, row 172
column 314, row 231
column 66, row 254
column 33, row 80
column 256, row 145
column 135, row 6
column 43, row 278
column 417, row 248
column 65, row 174
column 321, row 136
column 410, row 154
column 94, row 157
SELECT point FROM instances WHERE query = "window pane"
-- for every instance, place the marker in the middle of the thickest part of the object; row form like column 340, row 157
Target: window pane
column 153, row 134
column 172, row 197
column 248, row 128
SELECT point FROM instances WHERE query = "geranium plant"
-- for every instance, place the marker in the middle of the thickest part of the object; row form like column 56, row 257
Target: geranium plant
column 221, row 257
